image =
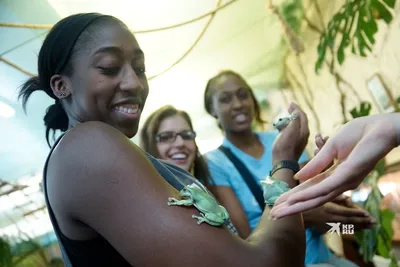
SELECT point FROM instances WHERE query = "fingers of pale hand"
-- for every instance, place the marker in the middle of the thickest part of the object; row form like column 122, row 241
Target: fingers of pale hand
column 359, row 163
column 317, row 164
column 283, row 198
column 356, row 140
column 367, row 153
column 303, row 187
column 312, row 193
column 301, row 192
column 335, row 178
column 284, row 209
column 293, row 205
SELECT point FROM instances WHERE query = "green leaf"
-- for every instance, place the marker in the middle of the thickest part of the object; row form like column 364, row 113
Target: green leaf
column 364, row 110
column 292, row 11
column 393, row 260
column 380, row 167
column 377, row 240
column 264, row 104
column 340, row 53
column 382, row 11
column 5, row 253
column 321, row 56
column 390, row 3
column 385, row 233
column 357, row 26
column 368, row 243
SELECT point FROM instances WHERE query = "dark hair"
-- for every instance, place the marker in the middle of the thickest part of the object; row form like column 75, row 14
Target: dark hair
column 208, row 93
column 60, row 47
column 148, row 139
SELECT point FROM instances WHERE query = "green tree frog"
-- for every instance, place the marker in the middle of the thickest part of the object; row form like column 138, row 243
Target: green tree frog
column 283, row 122
column 210, row 210
column 272, row 189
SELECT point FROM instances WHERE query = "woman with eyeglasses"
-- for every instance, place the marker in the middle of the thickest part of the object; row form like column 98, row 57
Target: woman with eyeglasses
column 168, row 134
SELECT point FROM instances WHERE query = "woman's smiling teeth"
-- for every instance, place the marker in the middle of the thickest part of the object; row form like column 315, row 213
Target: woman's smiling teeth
column 127, row 108
column 241, row 117
column 179, row 156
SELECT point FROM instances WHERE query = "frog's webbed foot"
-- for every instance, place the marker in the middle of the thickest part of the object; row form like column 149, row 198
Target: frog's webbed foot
column 200, row 219
column 179, row 202
column 292, row 117
column 172, row 201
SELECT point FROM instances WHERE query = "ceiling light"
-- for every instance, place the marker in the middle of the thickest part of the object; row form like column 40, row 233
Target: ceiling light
column 6, row 111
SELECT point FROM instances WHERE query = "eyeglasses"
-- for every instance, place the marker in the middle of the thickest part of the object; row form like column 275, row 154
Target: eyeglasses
column 170, row 137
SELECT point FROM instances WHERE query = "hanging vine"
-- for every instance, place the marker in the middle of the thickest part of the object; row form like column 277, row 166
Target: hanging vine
column 342, row 99
column 296, row 45
column 309, row 104
column 307, row 86
column 15, row 66
column 286, row 84
column 49, row 26
column 339, row 79
column 335, row 73
column 291, row 86
column 211, row 14
column 337, row 76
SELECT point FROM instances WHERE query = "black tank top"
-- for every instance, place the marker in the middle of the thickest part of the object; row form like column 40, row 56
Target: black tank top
column 99, row 252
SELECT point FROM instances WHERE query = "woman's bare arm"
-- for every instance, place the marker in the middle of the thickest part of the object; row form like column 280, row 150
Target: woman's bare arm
column 101, row 179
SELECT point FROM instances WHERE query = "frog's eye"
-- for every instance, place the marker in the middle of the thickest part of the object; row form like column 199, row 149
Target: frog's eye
column 280, row 119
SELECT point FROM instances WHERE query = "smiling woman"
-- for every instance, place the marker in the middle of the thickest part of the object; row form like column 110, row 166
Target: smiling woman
column 107, row 199
column 168, row 134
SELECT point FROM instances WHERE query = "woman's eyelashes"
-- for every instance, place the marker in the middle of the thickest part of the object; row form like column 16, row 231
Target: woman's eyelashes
column 140, row 70
column 112, row 71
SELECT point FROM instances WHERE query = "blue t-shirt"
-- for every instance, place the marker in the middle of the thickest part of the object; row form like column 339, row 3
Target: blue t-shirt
column 224, row 173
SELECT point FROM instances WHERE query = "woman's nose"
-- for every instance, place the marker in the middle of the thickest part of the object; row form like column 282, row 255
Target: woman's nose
column 130, row 81
column 179, row 141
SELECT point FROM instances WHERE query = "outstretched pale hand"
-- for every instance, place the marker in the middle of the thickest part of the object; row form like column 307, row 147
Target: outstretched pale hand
column 357, row 148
